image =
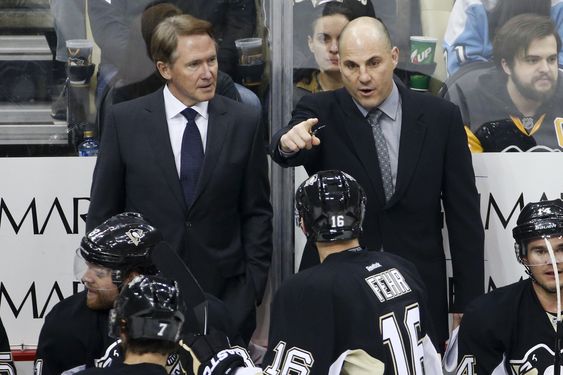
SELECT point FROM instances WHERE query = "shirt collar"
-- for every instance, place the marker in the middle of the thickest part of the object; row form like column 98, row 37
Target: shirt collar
column 390, row 106
column 174, row 107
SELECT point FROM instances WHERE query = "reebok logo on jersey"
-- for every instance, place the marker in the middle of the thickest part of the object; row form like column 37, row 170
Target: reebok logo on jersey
column 388, row 284
column 373, row 266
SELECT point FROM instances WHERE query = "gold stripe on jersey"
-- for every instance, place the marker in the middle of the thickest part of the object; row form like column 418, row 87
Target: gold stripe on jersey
column 472, row 141
column 522, row 128
column 558, row 123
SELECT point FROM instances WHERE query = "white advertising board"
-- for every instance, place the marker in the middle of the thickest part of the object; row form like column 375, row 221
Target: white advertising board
column 43, row 206
column 506, row 182
column 43, row 203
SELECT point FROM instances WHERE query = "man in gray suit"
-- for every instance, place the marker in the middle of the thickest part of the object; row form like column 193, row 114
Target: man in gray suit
column 195, row 166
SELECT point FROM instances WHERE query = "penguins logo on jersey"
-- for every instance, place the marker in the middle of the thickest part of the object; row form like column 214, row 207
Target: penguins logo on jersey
column 537, row 361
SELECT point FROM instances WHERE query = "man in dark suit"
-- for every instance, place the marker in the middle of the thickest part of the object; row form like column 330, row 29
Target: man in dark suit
column 194, row 165
column 408, row 151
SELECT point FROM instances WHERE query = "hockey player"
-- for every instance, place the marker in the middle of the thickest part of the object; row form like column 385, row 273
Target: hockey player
column 359, row 311
column 512, row 330
column 6, row 361
column 75, row 333
column 147, row 318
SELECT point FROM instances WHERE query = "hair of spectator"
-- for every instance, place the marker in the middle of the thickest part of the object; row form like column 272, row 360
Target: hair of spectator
column 165, row 37
column 518, row 33
column 330, row 9
column 377, row 24
column 153, row 14
column 506, row 9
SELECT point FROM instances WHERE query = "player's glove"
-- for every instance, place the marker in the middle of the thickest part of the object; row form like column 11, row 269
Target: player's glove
column 213, row 355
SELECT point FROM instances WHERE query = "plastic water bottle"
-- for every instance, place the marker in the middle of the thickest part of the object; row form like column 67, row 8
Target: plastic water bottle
column 89, row 146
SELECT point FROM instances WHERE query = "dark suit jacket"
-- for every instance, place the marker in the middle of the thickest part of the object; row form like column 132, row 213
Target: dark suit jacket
column 434, row 167
column 225, row 237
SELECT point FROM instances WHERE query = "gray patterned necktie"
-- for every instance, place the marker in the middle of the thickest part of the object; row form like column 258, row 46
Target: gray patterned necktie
column 382, row 153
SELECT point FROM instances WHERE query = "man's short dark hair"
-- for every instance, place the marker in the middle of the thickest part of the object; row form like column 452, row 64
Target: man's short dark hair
column 518, row 33
column 165, row 37
column 330, row 9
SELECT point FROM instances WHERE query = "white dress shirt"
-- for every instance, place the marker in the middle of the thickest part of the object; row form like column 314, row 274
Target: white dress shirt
column 177, row 123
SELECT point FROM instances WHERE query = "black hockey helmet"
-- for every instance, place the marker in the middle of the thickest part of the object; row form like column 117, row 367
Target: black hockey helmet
column 537, row 220
column 331, row 205
column 148, row 307
column 122, row 243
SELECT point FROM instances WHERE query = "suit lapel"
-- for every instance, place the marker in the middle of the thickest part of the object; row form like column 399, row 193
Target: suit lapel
column 359, row 137
column 159, row 139
column 218, row 129
column 413, row 130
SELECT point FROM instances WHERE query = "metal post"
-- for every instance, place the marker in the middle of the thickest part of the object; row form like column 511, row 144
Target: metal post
column 280, row 17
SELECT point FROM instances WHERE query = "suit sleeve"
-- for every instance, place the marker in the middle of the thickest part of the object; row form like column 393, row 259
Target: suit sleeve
column 107, row 196
column 463, row 218
column 256, row 212
column 305, row 109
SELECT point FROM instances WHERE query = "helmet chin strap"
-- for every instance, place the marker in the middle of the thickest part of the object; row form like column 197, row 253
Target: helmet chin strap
column 557, row 351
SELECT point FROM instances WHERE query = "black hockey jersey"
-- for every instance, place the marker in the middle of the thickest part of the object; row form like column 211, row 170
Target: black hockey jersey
column 354, row 300
column 6, row 361
column 75, row 337
column 505, row 331
column 72, row 335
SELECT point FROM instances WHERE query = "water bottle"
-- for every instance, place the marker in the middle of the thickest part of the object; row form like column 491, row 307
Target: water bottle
column 89, row 146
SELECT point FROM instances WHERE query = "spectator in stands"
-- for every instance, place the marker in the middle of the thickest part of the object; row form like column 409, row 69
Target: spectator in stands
column 473, row 24
column 516, row 105
column 69, row 23
column 116, row 27
column 304, row 15
column 323, row 44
